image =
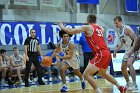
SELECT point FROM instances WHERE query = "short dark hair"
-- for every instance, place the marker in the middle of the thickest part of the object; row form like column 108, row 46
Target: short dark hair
column 15, row 48
column 61, row 33
column 118, row 18
column 91, row 18
column 31, row 29
column 51, row 45
column 2, row 51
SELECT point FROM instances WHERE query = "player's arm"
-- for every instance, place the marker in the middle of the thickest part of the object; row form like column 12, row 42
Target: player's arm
column 39, row 50
column 118, row 47
column 55, row 52
column 0, row 61
column 12, row 62
column 69, row 54
column 73, row 30
column 133, row 37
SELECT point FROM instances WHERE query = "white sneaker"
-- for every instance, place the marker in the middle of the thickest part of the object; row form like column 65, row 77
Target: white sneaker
column 129, row 84
column 50, row 79
column 30, row 81
column 133, row 88
column 45, row 80
column 21, row 82
column 59, row 78
column 3, row 84
column 35, row 80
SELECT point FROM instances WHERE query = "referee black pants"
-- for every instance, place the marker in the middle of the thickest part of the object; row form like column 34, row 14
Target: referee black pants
column 33, row 59
column 87, row 56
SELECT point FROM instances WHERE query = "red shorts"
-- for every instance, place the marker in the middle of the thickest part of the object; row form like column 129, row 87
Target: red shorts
column 101, row 59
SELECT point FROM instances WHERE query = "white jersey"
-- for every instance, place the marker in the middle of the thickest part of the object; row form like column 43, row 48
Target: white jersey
column 18, row 59
column 125, row 39
column 65, row 49
column 74, row 61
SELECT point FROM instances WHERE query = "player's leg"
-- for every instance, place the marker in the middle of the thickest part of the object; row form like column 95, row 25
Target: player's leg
column 39, row 70
column 110, row 78
column 132, row 72
column 75, row 65
column 18, row 69
column 27, row 72
column 125, row 73
column 124, row 69
column 88, row 75
column 63, row 69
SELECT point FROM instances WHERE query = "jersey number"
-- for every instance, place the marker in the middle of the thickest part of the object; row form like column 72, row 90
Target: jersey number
column 100, row 33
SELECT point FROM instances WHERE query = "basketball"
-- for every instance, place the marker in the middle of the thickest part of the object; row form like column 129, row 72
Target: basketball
column 47, row 61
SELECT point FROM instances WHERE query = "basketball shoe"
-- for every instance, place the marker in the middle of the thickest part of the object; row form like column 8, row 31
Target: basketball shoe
column 83, row 84
column 64, row 89
column 122, row 89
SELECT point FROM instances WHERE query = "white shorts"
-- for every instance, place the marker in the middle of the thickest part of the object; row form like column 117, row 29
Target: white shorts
column 72, row 63
column 125, row 57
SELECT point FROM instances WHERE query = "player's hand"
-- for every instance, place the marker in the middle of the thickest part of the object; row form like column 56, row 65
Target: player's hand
column 114, row 55
column 57, row 59
column 60, row 24
column 27, row 58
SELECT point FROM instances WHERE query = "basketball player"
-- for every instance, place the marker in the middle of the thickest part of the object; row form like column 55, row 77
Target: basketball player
column 70, row 59
column 56, row 62
column 99, row 63
column 5, row 67
column 32, row 52
column 16, row 61
column 127, row 38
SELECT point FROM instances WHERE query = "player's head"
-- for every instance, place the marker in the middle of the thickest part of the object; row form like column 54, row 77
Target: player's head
column 32, row 33
column 91, row 19
column 118, row 22
column 15, row 50
column 64, row 35
column 3, row 52
column 52, row 46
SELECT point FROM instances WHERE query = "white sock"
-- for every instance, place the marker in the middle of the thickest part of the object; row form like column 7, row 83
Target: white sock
column 117, row 84
column 65, row 85
column 83, row 80
column 98, row 90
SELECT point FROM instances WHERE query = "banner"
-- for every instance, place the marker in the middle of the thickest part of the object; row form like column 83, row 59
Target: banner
column 88, row 1
column 132, row 5
column 112, row 38
column 15, row 33
column 26, row 2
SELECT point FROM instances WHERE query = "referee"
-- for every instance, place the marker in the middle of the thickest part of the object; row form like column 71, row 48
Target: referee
column 32, row 51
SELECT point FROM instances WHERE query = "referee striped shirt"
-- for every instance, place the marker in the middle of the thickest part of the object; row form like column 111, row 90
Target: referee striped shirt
column 32, row 44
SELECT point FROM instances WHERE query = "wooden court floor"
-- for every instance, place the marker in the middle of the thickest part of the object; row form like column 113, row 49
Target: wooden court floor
column 74, row 87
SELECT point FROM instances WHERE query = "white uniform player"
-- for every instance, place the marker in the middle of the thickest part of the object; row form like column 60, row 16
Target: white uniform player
column 74, row 61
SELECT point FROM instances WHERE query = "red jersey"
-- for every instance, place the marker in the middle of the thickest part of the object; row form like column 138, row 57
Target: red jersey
column 96, row 41
column 99, row 48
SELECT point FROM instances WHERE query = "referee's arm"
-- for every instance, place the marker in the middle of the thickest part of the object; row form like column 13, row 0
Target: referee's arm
column 39, row 50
